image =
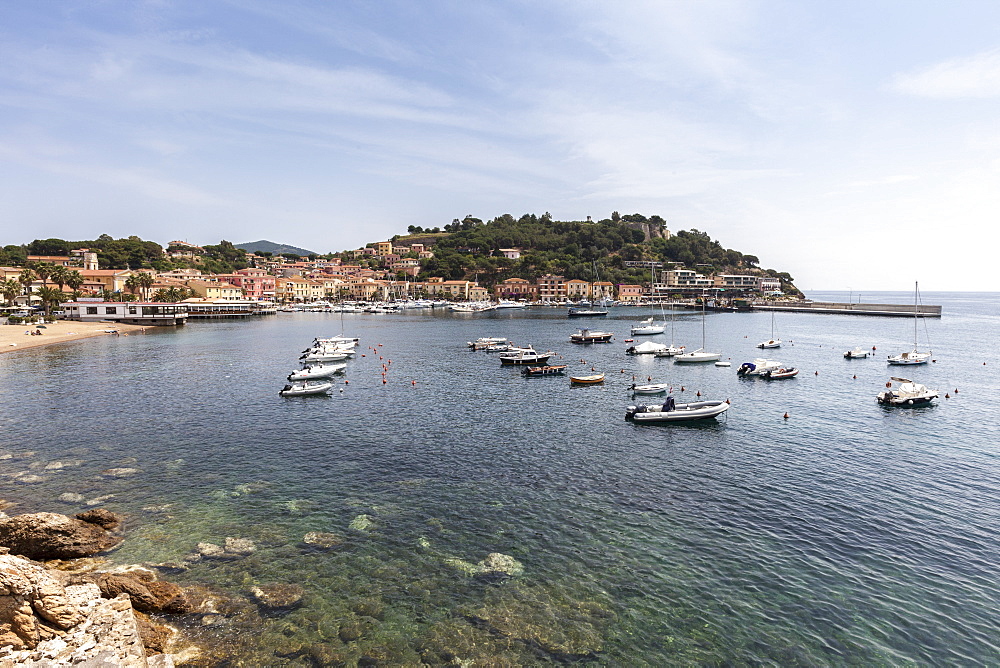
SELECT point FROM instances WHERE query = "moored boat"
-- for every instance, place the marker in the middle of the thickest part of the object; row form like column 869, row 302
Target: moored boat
column 647, row 348
column 646, row 327
column 911, row 357
column 906, row 393
column 780, row 373
column 553, row 370
column 305, row 388
column 311, row 372
column 593, row 379
column 697, row 356
column 856, row 354
column 652, row 388
column 670, row 411
column 759, row 367
column 590, row 336
column 525, row 356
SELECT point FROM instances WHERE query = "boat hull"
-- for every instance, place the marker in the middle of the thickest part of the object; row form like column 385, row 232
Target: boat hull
column 697, row 358
column 587, row 380
column 701, row 410
column 527, row 360
column 538, row 371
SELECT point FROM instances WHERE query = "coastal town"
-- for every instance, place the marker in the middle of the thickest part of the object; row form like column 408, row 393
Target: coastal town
column 382, row 271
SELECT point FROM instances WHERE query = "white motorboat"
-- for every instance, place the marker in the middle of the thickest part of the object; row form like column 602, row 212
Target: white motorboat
column 591, row 336
column 699, row 355
column 646, row 327
column 652, row 388
column 323, row 356
column 484, row 342
column 774, row 341
column 723, row 363
column 856, row 354
column 911, row 357
column 670, row 351
column 305, row 388
column 906, row 393
column 525, row 356
column 314, row 371
column 647, row 348
column 670, row 411
column 338, row 340
column 759, row 367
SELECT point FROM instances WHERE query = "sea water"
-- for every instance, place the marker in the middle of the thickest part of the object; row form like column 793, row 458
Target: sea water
column 844, row 534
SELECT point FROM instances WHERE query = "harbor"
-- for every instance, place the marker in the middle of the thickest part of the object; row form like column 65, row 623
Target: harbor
column 838, row 308
column 428, row 457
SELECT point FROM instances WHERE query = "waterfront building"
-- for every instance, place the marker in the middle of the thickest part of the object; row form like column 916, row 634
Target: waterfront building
column 602, row 290
column 256, row 284
column 741, row 282
column 112, row 280
column 216, row 291
column 629, row 293
column 516, row 288
column 133, row 313
column 577, row 289
column 767, row 284
column 551, row 288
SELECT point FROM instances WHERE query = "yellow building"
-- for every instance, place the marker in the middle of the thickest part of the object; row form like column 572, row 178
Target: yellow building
column 216, row 291
column 383, row 248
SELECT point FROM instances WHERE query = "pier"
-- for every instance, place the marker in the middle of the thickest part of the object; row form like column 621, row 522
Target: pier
column 890, row 310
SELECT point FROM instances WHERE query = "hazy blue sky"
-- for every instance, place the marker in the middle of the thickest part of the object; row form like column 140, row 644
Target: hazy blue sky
column 853, row 144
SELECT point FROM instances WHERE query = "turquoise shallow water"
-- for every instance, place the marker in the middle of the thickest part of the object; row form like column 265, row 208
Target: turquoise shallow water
column 848, row 534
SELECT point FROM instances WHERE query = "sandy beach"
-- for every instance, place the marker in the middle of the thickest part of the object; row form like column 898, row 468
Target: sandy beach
column 13, row 337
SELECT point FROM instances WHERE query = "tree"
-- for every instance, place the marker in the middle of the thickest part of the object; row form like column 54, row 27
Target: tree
column 50, row 296
column 43, row 270
column 132, row 283
column 26, row 278
column 59, row 275
column 11, row 289
column 74, row 280
column 145, row 281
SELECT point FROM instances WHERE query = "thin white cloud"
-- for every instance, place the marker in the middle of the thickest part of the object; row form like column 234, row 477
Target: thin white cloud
column 976, row 76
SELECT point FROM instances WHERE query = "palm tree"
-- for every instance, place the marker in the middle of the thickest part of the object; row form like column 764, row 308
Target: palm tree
column 145, row 281
column 59, row 275
column 50, row 296
column 10, row 289
column 132, row 283
column 44, row 270
column 26, row 278
column 74, row 280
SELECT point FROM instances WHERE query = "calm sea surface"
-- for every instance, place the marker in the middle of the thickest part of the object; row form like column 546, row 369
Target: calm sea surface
column 847, row 534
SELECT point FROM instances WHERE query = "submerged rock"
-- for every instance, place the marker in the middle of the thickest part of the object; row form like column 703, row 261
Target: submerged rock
column 323, row 540
column 98, row 500
column 71, row 497
column 53, row 536
column 240, row 547
column 101, row 517
column 121, row 472
column 362, row 523
column 278, row 596
column 500, row 564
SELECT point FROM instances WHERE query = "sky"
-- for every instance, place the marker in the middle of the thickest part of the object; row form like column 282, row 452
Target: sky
column 854, row 144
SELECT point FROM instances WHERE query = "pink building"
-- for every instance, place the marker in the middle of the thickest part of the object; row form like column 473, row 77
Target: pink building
column 257, row 284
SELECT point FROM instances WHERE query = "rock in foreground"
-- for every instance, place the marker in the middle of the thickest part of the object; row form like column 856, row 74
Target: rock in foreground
column 54, row 536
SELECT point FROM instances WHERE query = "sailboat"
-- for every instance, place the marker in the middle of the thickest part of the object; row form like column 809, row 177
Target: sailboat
column 672, row 349
column 587, row 311
column 699, row 355
column 913, row 356
column 774, row 341
column 646, row 326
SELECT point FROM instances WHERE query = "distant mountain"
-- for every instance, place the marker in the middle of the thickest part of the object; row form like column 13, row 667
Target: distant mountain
column 273, row 248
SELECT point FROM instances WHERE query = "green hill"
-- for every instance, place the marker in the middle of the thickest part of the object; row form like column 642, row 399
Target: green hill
column 264, row 246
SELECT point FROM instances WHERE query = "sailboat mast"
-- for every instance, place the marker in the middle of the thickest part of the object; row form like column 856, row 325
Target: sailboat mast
column 916, row 288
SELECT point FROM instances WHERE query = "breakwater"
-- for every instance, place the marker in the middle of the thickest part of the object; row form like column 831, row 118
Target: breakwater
column 897, row 310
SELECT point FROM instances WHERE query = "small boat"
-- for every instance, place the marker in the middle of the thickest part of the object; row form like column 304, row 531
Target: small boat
column 647, row 327
column 653, row 388
column 587, row 380
column 525, row 356
column 484, row 342
column 779, row 374
column 647, row 348
column 590, row 336
column 906, row 394
column 323, row 356
column 911, row 357
column 554, row 370
column 759, row 367
column 723, row 363
column 856, row 354
column 305, row 388
column 585, row 312
column 312, row 372
column 670, row 351
column 670, row 411
column 697, row 356
column 774, row 341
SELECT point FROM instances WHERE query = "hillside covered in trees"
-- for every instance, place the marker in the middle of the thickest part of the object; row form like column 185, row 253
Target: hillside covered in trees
column 470, row 248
